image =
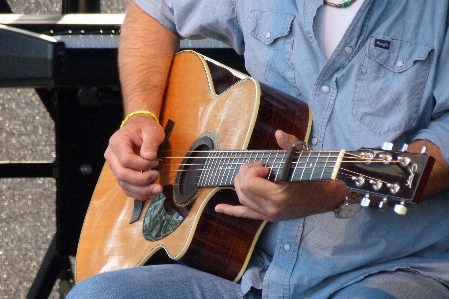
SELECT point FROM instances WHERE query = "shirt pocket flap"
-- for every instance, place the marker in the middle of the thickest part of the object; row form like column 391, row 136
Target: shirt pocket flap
column 267, row 26
column 397, row 55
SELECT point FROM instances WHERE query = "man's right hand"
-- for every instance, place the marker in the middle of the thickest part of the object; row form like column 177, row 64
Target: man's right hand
column 132, row 156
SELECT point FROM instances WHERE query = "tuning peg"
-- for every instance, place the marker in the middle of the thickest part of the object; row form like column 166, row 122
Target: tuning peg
column 386, row 157
column 394, row 188
column 383, row 205
column 376, row 184
column 387, row 146
column 404, row 161
column 358, row 180
column 400, row 208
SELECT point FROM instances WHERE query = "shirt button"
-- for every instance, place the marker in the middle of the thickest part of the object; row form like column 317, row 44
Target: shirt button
column 325, row 89
column 348, row 50
column 309, row 34
column 400, row 63
column 268, row 35
column 287, row 247
column 314, row 141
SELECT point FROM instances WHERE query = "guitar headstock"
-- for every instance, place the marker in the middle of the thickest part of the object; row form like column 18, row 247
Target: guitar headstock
column 387, row 175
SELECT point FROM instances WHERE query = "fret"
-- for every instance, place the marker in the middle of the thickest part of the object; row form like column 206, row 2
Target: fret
column 221, row 167
column 326, row 162
column 235, row 168
column 295, row 164
column 270, row 163
column 316, row 166
column 207, row 171
column 279, row 164
column 327, row 170
column 226, row 167
column 215, row 164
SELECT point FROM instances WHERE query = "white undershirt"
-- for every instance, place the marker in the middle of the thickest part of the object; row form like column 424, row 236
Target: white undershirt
column 330, row 25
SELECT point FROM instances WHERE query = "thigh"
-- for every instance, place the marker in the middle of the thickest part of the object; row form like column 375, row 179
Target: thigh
column 398, row 284
column 158, row 281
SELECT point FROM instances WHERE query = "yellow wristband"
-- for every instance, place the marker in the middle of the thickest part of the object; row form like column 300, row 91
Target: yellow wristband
column 139, row 112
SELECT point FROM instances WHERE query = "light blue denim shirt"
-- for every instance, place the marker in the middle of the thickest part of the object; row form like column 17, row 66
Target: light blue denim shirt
column 387, row 80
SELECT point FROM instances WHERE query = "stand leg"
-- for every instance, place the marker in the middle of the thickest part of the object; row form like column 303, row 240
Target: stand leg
column 53, row 267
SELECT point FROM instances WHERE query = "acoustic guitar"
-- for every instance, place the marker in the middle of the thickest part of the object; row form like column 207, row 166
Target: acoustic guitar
column 216, row 119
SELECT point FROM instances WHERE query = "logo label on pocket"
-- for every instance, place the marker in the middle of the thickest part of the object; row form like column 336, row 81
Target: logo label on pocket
column 383, row 44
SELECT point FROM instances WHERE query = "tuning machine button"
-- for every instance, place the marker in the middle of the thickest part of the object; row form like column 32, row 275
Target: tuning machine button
column 383, row 205
column 387, row 146
column 365, row 201
column 400, row 208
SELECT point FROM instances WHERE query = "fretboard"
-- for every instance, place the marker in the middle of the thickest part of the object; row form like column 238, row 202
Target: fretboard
column 221, row 167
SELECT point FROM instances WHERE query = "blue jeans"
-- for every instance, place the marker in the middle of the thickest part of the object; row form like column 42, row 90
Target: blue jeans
column 177, row 281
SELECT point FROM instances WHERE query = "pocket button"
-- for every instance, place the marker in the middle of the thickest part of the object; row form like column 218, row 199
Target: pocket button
column 348, row 50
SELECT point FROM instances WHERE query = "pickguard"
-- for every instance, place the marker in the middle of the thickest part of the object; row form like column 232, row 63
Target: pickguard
column 158, row 223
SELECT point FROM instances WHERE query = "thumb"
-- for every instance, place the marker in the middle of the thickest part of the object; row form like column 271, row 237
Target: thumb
column 284, row 140
column 150, row 143
column 148, row 150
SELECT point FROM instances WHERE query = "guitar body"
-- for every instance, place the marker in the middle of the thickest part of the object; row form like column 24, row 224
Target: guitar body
column 203, row 100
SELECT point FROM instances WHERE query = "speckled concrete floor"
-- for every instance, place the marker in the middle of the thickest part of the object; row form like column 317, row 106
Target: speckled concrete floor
column 27, row 205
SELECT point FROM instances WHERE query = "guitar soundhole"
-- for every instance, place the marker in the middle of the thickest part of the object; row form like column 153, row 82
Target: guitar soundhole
column 186, row 183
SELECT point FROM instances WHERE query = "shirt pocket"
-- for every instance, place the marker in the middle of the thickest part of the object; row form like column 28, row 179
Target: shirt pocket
column 390, row 85
column 269, row 47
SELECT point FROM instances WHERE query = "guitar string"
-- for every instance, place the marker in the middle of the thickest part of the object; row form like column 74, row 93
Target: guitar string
column 296, row 163
column 268, row 154
column 350, row 174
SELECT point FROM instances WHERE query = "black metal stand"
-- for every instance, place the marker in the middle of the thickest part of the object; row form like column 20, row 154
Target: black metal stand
column 4, row 7
column 84, row 121
column 83, row 125
column 88, row 119
column 53, row 267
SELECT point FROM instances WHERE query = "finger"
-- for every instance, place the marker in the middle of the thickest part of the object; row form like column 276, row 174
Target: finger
column 141, row 192
column 131, row 176
column 284, row 140
column 253, row 170
column 239, row 211
column 251, row 179
column 130, row 161
column 123, row 148
column 250, row 185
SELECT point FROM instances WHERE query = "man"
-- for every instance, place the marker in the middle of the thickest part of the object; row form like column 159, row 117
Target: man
column 372, row 71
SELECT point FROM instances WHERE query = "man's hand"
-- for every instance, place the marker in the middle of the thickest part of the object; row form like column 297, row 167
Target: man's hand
column 132, row 153
column 265, row 200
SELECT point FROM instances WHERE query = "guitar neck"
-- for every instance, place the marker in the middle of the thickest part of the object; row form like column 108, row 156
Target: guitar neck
column 221, row 167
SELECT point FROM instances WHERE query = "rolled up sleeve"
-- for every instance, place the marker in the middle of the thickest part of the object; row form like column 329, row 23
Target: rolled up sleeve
column 198, row 19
